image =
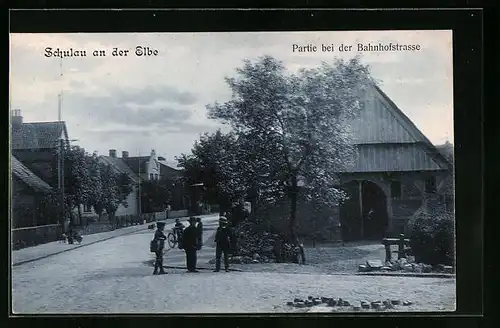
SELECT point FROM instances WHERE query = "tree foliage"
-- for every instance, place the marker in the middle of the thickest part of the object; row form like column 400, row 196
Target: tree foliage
column 155, row 195
column 295, row 127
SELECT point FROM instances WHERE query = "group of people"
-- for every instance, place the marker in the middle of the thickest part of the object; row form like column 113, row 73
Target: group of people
column 190, row 239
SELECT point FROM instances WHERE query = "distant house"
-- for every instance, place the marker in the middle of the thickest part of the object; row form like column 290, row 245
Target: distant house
column 37, row 145
column 396, row 169
column 27, row 190
column 180, row 198
column 146, row 167
column 120, row 166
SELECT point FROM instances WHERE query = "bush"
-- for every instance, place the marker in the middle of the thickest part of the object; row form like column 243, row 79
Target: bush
column 432, row 237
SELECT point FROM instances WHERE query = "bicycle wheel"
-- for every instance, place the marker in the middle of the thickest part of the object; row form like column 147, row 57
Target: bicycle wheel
column 172, row 241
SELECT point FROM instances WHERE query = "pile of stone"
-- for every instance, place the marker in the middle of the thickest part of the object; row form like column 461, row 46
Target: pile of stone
column 403, row 264
column 255, row 245
column 333, row 302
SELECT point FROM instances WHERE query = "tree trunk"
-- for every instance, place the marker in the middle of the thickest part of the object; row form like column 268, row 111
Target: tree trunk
column 293, row 217
column 79, row 214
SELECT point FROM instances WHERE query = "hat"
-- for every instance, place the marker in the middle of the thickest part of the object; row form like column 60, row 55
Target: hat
column 192, row 218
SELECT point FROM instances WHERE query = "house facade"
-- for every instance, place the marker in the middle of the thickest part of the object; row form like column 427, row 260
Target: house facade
column 120, row 166
column 27, row 191
column 396, row 170
column 37, row 145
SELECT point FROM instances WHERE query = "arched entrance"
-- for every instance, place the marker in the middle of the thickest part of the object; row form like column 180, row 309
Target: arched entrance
column 364, row 215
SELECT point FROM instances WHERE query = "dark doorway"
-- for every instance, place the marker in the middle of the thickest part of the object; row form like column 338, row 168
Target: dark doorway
column 364, row 215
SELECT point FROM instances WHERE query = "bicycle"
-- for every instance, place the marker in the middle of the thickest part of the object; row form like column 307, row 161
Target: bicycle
column 172, row 238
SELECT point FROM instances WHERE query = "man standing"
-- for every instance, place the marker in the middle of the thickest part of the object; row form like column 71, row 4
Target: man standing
column 190, row 241
column 223, row 241
column 199, row 227
column 159, row 238
column 168, row 211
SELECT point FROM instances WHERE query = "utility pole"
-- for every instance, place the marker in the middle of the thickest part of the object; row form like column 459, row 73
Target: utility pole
column 59, row 111
column 139, row 187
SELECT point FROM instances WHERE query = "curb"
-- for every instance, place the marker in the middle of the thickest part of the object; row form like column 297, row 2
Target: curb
column 418, row 275
column 91, row 243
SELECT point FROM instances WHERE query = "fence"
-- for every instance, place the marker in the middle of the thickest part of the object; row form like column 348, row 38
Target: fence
column 32, row 236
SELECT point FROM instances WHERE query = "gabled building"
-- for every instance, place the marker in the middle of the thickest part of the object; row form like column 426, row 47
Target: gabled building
column 37, row 145
column 146, row 167
column 27, row 191
column 396, row 169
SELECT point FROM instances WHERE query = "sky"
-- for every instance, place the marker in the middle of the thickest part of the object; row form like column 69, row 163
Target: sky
column 139, row 103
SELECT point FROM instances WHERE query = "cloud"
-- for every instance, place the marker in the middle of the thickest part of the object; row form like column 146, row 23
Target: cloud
column 140, row 102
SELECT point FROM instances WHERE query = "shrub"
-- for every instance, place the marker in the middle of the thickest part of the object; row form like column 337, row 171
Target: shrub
column 432, row 237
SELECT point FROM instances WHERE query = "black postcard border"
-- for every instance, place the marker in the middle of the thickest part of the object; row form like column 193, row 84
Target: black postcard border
column 468, row 112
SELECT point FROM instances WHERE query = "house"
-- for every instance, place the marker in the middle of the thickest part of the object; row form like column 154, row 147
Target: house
column 120, row 166
column 180, row 199
column 37, row 146
column 396, row 169
column 146, row 167
column 28, row 191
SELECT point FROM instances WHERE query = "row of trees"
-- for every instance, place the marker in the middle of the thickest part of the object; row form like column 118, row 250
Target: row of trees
column 88, row 181
column 290, row 132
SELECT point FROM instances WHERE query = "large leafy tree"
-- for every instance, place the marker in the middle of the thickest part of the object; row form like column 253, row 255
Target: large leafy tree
column 215, row 161
column 155, row 195
column 295, row 126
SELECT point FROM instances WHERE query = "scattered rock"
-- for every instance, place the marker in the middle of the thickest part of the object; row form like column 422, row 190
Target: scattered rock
column 388, row 304
column 235, row 260
column 386, row 268
column 365, row 304
column 317, row 301
column 255, row 261
column 356, row 308
column 332, row 302
column 310, row 297
column 374, row 264
column 410, row 259
column 363, row 268
column 324, row 299
column 256, row 256
column 426, row 268
column 395, row 302
column 448, row 269
column 408, row 267
column 402, row 261
column 300, row 304
column 346, row 303
column 407, row 303
column 309, row 303
column 376, row 304
column 289, row 303
column 297, row 300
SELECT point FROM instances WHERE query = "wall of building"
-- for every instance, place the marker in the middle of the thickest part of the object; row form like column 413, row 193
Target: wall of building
column 41, row 162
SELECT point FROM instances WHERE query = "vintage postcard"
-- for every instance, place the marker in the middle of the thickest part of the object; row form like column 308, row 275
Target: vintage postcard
column 262, row 172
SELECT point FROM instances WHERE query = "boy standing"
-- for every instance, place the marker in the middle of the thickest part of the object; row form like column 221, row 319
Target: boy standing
column 159, row 238
column 223, row 240
column 190, row 239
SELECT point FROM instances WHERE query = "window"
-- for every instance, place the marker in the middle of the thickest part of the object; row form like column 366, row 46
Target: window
column 396, row 189
column 87, row 208
column 151, row 176
column 156, row 176
column 430, row 185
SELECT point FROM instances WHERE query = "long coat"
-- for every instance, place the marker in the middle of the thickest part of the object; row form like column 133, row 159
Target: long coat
column 190, row 237
column 224, row 237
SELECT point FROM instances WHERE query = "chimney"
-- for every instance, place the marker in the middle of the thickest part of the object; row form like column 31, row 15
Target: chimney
column 17, row 119
column 112, row 153
column 124, row 154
